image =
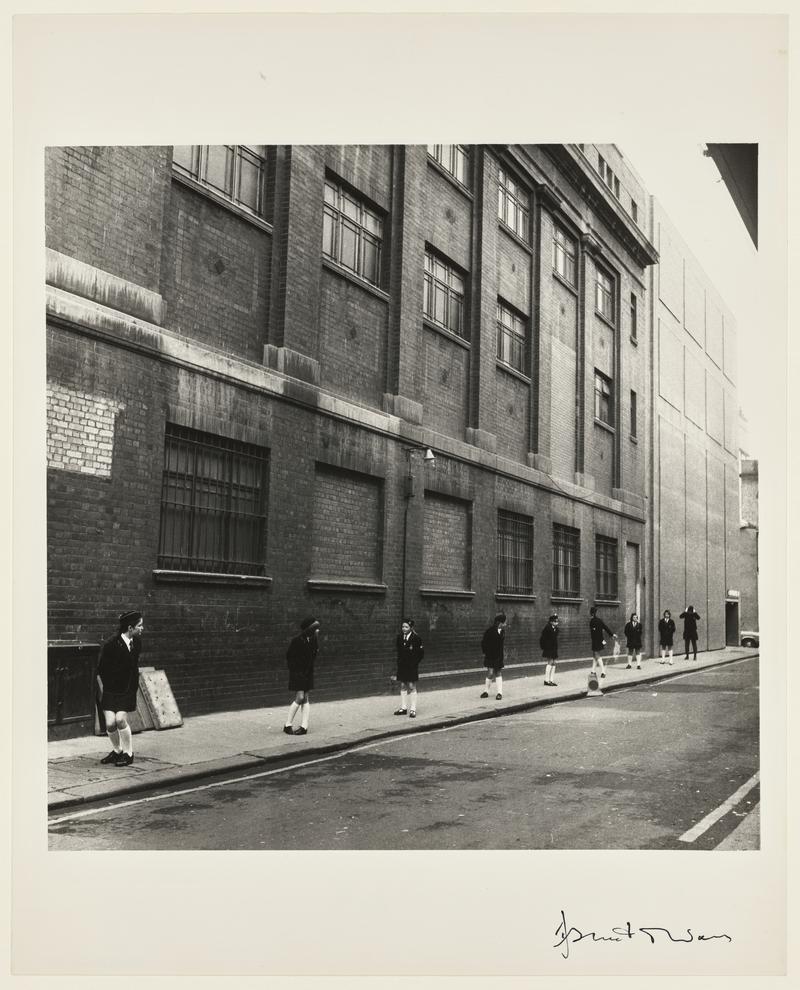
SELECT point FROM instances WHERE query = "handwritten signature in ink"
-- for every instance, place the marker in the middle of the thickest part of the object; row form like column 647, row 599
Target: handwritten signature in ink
column 568, row 934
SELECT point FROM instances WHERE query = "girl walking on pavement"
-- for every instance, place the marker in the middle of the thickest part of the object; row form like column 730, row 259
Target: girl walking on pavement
column 596, row 629
column 300, row 659
column 549, row 644
column 633, row 638
column 690, row 619
column 666, row 631
column 492, row 646
column 409, row 653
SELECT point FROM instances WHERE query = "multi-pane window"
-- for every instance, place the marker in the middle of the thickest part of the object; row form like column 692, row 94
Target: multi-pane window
column 564, row 255
column 634, row 316
column 352, row 233
column 604, row 295
column 235, row 171
column 511, row 336
column 603, row 399
column 213, row 504
column 566, row 561
column 454, row 158
column 605, row 567
column 443, row 295
column 634, row 426
column 513, row 204
column 514, row 554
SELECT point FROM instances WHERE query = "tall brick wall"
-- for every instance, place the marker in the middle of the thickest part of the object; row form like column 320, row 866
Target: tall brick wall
column 105, row 207
column 512, row 416
column 234, row 286
column 445, row 384
column 216, row 272
column 353, row 340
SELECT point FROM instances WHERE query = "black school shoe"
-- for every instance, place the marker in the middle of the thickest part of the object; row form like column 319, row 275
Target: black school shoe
column 124, row 760
column 111, row 757
column 288, row 730
column 301, row 732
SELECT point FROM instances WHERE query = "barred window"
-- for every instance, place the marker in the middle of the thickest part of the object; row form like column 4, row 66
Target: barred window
column 352, row 233
column 564, row 255
column 603, row 399
column 512, row 335
column 566, row 561
column 604, row 295
column 213, row 504
column 443, row 295
column 513, row 205
column 454, row 158
column 606, row 567
column 514, row 554
column 236, row 171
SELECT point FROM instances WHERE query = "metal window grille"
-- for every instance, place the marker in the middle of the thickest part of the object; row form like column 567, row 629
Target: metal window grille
column 566, row 561
column 352, row 233
column 235, row 171
column 213, row 504
column 604, row 296
column 511, row 337
column 454, row 158
column 603, row 399
column 514, row 554
column 606, row 567
column 443, row 295
column 564, row 255
column 513, row 205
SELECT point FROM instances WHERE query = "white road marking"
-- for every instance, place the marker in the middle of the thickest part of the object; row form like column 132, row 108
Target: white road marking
column 253, row 776
column 87, row 813
column 714, row 816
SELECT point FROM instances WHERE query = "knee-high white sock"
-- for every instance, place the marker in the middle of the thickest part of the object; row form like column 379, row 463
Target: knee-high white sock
column 113, row 737
column 292, row 712
column 499, row 682
column 413, row 699
column 403, row 698
column 488, row 683
column 305, row 712
column 126, row 740
column 547, row 671
column 601, row 665
column 638, row 659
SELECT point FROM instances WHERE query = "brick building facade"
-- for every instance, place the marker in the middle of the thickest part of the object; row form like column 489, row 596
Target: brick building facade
column 248, row 347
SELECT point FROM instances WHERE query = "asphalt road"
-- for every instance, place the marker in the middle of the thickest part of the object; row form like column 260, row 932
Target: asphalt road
column 641, row 768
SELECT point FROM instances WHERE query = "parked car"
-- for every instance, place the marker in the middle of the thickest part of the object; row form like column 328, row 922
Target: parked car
column 749, row 638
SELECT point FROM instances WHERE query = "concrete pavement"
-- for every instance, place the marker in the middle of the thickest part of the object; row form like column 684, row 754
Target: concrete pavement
column 228, row 742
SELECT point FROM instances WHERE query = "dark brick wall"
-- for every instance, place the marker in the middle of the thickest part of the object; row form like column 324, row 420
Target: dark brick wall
column 216, row 272
column 347, row 537
column 353, row 340
column 512, row 416
column 445, row 556
column 445, row 384
column 105, row 207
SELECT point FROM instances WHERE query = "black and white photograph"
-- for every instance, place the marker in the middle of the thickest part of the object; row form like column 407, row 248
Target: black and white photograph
column 412, row 504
